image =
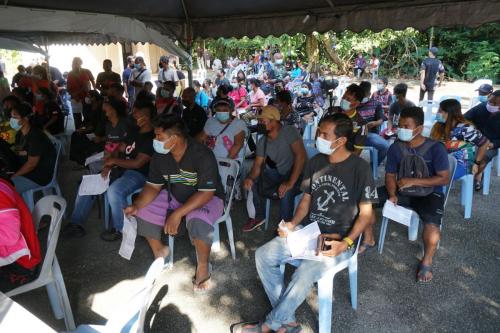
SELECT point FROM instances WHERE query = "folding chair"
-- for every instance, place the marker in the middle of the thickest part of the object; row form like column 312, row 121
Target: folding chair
column 373, row 159
column 325, row 287
column 415, row 219
column 28, row 196
column 228, row 170
column 130, row 317
column 50, row 274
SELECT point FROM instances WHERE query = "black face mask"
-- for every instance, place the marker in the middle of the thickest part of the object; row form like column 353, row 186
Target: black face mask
column 261, row 129
column 160, row 65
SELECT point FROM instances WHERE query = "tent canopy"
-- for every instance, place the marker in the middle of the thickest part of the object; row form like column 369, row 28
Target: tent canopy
column 12, row 44
column 222, row 18
column 34, row 26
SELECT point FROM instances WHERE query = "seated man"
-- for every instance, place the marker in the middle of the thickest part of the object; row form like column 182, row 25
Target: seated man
column 194, row 116
column 127, row 173
column 338, row 195
column 383, row 95
column 400, row 103
column 486, row 118
column 183, row 191
column 278, row 164
column 399, row 190
column 373, row 114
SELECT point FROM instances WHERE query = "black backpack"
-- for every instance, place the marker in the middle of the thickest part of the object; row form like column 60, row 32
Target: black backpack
column 413, row 165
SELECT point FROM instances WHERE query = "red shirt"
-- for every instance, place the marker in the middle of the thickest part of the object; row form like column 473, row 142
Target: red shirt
column 78, row 81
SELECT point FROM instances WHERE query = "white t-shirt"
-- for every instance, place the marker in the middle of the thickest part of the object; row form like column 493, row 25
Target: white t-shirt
column 374, row 63
column 213, row 127
column 141, row 75
column 169, row 74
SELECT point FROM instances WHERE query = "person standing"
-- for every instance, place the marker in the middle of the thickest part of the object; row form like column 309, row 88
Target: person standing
column 107, row 78
column 429, row 69
column 126, row 75
column 167, row 72
column 140, row 75
column 79, row 82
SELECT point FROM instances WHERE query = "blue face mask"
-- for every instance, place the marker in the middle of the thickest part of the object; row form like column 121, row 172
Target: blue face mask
column 304, row 91
column 405, row 134
column 137, row 66
column 440, row 119
column 345, row 105
column 14, row 123
column 159, row 147
column 222, row 116
column 483, row 99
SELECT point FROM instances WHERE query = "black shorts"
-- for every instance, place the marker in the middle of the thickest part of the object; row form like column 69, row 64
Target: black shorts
column 429, row 208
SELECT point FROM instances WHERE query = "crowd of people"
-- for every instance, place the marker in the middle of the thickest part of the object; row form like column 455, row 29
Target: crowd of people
column 165, row 143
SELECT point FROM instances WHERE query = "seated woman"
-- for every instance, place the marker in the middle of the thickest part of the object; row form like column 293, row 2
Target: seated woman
column 89, row 138
column 36, row 153
column 6, row 132
column 305, row 102
column 257, row 99
column 19, row 246
column 224, row 134
column 461, row 138
column 50, row 118
column 128, row 174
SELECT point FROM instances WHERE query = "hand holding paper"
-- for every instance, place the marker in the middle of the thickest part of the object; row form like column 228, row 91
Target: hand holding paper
column 93, row 185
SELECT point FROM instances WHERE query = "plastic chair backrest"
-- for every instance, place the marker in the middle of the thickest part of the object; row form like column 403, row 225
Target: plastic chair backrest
column 53, row 206
column 310, row 147
column 131, row 316
column 458, row 98
column 428, row 107
column 452, row 168
column 58, row 148
column 228, row 168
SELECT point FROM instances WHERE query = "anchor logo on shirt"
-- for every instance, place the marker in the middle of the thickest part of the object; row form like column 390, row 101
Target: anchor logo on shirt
column 322, row 206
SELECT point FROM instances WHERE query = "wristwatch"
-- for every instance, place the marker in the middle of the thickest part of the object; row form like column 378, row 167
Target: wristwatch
column 349, row 242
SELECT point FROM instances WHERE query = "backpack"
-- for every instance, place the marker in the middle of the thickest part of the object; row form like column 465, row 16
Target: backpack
column 413, row 165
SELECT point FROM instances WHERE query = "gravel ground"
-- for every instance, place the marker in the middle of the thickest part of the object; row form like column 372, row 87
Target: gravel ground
column 464, row 295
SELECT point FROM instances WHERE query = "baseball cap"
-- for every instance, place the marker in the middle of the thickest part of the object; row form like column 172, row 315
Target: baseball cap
column 434, row 50
column 485, row 88
column 270, row 112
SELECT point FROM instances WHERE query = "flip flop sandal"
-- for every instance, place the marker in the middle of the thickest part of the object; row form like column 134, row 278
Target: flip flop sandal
column 422, row 272
column 292, row 329
column 239, row 328
column 367, row 248
column 193, row 279
column 196, row 286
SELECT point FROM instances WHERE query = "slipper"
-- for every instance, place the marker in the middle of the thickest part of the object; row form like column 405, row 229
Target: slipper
column 366, row 248
column 422, row 272
column 196, row 286
column 240, row 328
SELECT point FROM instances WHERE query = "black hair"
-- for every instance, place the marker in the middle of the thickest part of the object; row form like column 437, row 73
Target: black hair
column 254, row 81
column 400, row 89
column 11, row 98
column 343, row 124
column 95, row 94
column 23, row 109
column 356, row 91
column 170, row 84
column 107, row 60
column 190, row 90
column 225, row 89
column 221, row 70
column 284, row 96
column 47, row 93
column 384, row 80
column 196, row 83
column 451, row 106
column 308, row 84
column 119, row 106
column 496, row 93
column 25, row 93
column 366, row 86
column 172, row 124
column 415, row 113
column 145, row 96
column 144, row 104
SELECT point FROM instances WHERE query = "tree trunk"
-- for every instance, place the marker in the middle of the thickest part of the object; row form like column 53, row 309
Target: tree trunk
column 312, row 49
column 332, row 52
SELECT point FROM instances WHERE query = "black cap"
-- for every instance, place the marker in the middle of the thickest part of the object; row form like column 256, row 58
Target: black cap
column 485, row 88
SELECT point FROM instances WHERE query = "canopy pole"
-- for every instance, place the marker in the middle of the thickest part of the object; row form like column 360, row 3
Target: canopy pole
column 46, row 47
column 189, row 43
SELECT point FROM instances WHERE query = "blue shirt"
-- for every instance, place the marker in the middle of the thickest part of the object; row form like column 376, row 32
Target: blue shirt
column 127, row 72
column 436, row 159
column 201, row 99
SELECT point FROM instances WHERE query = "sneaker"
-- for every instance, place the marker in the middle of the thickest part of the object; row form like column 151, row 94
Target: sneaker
column 111, row 235
column 72, row 230
column 252, row 224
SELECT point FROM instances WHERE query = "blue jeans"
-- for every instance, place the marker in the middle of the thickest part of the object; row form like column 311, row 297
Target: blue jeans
column 117, row 193
column 285, row 302
column 286, row 203
column 378, row 142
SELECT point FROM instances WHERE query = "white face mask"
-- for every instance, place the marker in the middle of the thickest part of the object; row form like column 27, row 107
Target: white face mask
column 364, row 100
column 492, row 108
column 405, row 134
column 380, row 87
column 345, row 105
column 324, row 146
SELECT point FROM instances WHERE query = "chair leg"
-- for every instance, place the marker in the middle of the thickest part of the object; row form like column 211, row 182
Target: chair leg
column 216, row 239
column 413, row 228
column 106, row 210
column 498, row 162
column 171, row 249
column 381, row 239
column 28, row 198
column 68, row 313
column 55, row 304
column 469, row 190
column 374, row 159
column 325, row 300
column 268, row 208
column 353, row 281
column 230, row 236
column 487, row 178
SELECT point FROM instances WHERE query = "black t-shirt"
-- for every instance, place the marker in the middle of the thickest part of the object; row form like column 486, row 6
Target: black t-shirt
column 194, row 119
column 431, row 66
column 119, row 132
column 197, row 171
column 51, row 109
column 36, row 143
column 139, row 143
column 337, row 190
column 105, row 80
column 180, row 75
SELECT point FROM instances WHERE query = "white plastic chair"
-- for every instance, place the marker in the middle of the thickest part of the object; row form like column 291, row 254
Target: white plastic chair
column 28, row 196
column 325, row 288
column 227, row 168
column 415, row 219
column 50, row 273
column 498, row 162
column 474, row 101
column 130, row 317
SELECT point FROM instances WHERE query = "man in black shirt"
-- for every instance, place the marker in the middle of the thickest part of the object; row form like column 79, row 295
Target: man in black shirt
column 193, row 116
column 338, row 195
column 428, row 71
column 107, row 78
column 183, row 190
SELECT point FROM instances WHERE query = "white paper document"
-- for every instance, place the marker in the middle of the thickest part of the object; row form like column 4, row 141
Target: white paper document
column 304, row 242
column 94, row 158
column 129, row 233
column 397, row 213
column 93, row 185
